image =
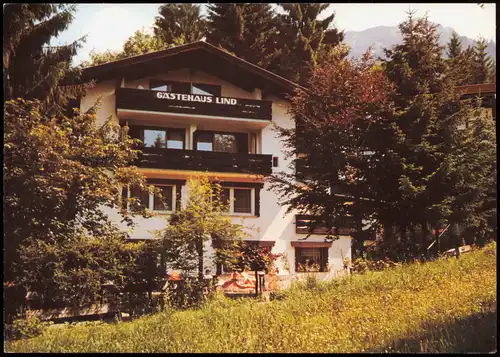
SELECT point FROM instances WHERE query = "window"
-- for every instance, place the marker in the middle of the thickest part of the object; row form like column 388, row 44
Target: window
column 311, row 259
column 239, row 200
column 160, row 85
column 204, row 142
column 224, row 198
column 225, row 143
column 185, row 87
column 222, row 142
column 155, row 138
column 164, row 138
column 153, row 202
column 142, row 197
column 206, row 89
column 175, row 139
column 167, row 204
column 275, row 161
column 242, row 201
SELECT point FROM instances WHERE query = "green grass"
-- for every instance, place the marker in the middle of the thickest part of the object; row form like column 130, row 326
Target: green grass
column 442, row 306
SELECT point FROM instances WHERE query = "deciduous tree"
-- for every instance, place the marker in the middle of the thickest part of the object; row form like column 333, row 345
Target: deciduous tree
column 60, row 175
column 332, row 144
column 204, row 218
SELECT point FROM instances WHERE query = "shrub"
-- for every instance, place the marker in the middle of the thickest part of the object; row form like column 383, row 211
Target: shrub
column 26, row 327
column 361, row 265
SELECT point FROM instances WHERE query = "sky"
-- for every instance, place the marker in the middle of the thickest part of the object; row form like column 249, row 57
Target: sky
column 108, row 26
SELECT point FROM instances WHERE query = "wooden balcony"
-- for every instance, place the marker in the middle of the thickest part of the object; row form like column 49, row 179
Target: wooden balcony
column 165, row 102
column 205, row 161
column 305, row 224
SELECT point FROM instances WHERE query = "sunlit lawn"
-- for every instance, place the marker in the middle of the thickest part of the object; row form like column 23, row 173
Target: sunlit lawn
column 443, row 306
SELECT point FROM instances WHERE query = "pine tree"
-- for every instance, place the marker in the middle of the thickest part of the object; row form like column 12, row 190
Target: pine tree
column 454, row 46
column 32, row 68
column 245, row 30
column 459, row 60
column 483, row 64
column 179, row 24
column 419, row 180
column 302, row 39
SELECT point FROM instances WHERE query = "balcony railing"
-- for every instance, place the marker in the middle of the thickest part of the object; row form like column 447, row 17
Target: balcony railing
column 166, row 102
column 205, row 161
column 305, row 224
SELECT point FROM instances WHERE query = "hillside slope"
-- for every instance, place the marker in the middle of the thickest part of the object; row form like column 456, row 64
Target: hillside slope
column 443, row 306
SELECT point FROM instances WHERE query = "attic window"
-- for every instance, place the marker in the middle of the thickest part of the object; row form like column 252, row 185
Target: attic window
column 206, row 89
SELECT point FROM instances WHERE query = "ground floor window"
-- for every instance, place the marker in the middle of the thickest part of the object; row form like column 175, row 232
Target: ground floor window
column 240, row 201
column 311, row 259
column 153, row 202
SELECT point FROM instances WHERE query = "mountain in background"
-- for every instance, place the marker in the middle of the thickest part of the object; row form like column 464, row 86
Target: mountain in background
column 386, row 36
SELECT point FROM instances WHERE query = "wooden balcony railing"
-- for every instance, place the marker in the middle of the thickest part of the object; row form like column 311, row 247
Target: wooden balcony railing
column 305, row 224
column 205, row 161
column 166, row 102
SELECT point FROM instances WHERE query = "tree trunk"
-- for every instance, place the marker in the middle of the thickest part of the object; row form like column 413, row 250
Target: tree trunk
column 200, row 260
column 256, row 283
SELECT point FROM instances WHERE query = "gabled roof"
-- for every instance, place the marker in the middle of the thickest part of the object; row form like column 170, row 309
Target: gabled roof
column 196, row 55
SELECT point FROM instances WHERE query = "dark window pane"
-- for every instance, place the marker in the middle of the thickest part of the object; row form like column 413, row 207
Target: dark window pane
column 181, row 87
column 310, row 259
column 206, row 89
column 224, row 198
column 204, row 142
column 142, row 196
column 242, row 201
column 154, row 138
column 175, row 140
column 225, row 143
column 167, row 192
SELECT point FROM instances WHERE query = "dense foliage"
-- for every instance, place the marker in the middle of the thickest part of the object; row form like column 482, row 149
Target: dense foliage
column 59, row 174
column 303, row 39
column 392, row 146
column 203, row 219
column 443, row 306
column 32, row 68
column 247, row 30
column 333, row 142
column 139, row 43
column 179, row 24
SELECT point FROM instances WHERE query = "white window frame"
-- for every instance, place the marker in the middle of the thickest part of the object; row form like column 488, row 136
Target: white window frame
column 231, row 201
column 151, row 200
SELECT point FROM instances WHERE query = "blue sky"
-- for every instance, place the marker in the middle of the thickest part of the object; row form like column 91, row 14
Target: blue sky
column 108, row 26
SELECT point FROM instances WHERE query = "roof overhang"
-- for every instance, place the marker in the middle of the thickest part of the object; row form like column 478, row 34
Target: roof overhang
column 198, row 55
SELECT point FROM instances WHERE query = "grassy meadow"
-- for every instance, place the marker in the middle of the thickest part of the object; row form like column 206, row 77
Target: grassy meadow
column 447, row 305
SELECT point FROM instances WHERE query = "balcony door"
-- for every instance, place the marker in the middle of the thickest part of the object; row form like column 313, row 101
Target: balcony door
column 221, row 142
column 163, row 138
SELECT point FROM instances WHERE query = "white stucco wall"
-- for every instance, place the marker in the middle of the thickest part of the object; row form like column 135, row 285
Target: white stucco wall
column 105, row 91
column 273, row 224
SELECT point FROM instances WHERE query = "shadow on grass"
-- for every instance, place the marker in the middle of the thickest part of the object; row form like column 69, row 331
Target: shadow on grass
column 475, row 333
